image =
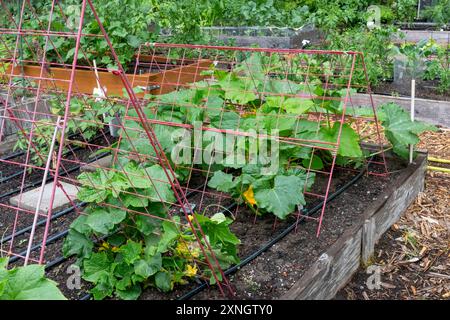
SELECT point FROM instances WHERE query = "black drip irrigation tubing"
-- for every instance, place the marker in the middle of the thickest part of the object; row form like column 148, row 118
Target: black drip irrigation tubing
column 50, row 240
column 38, row 182
column 279, row 237
column 268, row 245
column 5, row 179
column 43, row 221
column 59, row 235
column 13, row 155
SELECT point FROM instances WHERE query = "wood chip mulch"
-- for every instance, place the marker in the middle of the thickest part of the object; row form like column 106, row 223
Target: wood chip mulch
column 413, row 256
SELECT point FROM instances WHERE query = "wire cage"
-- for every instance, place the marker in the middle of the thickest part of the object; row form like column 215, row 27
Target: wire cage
column 146, row 165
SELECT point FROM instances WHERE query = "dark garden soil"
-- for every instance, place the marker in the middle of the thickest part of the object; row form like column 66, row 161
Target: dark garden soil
column 425, row 89
column 8, row 216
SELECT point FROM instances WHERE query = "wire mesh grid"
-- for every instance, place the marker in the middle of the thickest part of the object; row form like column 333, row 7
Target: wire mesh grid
column 169, row 145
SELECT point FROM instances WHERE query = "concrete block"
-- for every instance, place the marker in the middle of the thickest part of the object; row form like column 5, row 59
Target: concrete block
column 30, row 198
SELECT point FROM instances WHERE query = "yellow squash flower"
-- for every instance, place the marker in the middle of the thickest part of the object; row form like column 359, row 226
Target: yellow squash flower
column 249, row 196
column 190, row 271
column 104, row 246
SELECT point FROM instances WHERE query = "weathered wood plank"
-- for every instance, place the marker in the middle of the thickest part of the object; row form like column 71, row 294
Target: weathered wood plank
column 368, row 240
column 399, row 201
column 336, row 266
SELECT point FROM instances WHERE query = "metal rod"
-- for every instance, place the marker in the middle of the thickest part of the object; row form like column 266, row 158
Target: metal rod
column 41, row 192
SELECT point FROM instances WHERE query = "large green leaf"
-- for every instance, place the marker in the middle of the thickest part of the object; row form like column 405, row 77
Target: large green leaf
column 97, row 267
column 28, row 283
column 163, row 281
column 226, row 120
column 349, row 143
column 400, row 130
column 283, row 197
column 219, row 234
column 282, row 86
column 297, row 105
column 78, row 244
column 238, row 90
column 102, row 220
column 88, row 194
column 104, row 287
column 131, row 293
column 222, row 181
column 159, row 187
column 148, row 267
column 131, row 251
column 134, row 200
column 169, row 235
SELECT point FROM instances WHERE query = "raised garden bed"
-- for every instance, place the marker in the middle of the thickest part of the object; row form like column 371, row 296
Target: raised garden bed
column 304, row 267
column 434, row 111
column 151, row 81
column 300, row 266
column 415, row 36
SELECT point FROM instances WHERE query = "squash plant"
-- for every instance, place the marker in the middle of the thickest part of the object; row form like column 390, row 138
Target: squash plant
column 232, row 100
column 141, row 246
column 27, row 283
column 126, row 210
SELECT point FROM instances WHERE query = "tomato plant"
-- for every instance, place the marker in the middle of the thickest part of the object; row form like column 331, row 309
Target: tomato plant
column 87, row 116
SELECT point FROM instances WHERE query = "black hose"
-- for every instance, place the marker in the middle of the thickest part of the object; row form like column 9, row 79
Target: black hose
column 43, row 221
column 275, row 240
column 38, row 182
column 13, row 155
column 53, row 238
column 5, row 179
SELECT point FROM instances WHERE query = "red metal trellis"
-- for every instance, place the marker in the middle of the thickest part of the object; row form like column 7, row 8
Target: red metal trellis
column 174, row 100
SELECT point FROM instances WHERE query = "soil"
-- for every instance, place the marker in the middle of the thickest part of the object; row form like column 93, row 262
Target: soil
column 425, row 89
column 276, row 270
column 10, row 216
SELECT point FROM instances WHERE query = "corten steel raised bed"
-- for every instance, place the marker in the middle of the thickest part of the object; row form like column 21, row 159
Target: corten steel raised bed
column 85, row 78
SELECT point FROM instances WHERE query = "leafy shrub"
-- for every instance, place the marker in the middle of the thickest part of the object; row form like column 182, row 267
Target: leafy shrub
column 438, row 13
column 374, row 44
